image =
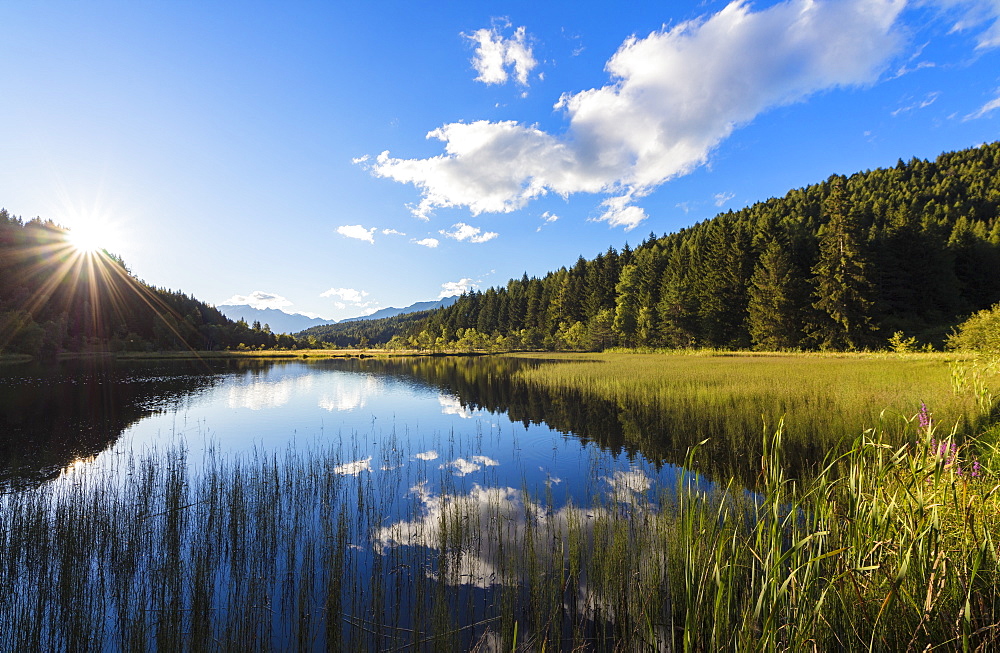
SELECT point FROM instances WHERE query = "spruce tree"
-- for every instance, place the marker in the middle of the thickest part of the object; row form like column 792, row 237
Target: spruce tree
column 774, row 307
column 842, row 288
column 627, row 307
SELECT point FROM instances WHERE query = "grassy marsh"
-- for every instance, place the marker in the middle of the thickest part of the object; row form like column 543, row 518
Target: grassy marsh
column 821, row 399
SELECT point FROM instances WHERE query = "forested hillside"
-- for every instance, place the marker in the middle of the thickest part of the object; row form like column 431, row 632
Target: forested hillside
column 54, row 299
column 841, row 265
column 366, row 332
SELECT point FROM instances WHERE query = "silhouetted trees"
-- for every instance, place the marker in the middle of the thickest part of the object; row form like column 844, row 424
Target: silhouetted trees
column 55, row 299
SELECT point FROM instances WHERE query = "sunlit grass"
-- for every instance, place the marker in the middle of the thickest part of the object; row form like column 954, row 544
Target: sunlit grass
column 820, row 398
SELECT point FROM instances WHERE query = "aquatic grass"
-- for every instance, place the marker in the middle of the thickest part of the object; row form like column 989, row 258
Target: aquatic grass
column 864, row 557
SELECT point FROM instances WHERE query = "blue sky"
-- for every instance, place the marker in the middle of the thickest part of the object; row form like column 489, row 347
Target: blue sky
column 337, row 158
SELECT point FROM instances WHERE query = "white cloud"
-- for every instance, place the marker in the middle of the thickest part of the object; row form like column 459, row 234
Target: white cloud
column 472, row 234
column 258, row 299
column 496, row 55
column 673, row 97
column 427, row 242
column 450, row 288
column 986, row 109
column 358, row 232
column 927, row 101
column 973, row 14
column 618, row 212
column 426, row 455
column 392, row 232
column 722, row 198
column 548, row 218
column 349, row 295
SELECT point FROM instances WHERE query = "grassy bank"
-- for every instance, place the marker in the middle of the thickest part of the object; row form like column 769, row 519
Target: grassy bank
column 820, row 398
column 264, row 354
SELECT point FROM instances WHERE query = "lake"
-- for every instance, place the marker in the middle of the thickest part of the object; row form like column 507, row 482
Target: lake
column 79, row 414
column 398, row 444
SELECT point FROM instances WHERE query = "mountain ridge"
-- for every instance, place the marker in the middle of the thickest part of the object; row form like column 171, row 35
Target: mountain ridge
column 280, row 321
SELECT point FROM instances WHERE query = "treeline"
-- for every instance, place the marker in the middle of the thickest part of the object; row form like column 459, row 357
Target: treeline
column 54, row 299
column 845, row 264
column 364, row 333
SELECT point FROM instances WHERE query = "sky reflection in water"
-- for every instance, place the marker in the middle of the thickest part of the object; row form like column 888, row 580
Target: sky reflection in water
column 442, row 447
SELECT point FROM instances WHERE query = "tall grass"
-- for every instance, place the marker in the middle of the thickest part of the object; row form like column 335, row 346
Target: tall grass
column 890, row 548
column 728, row 397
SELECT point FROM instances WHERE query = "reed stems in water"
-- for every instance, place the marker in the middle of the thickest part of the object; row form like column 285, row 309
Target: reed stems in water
column 888, row 547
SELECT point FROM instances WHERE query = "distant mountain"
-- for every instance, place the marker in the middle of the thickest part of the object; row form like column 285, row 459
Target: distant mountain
column 279, row 321
column 282, row 322
column 377, row 328
column 412, row 308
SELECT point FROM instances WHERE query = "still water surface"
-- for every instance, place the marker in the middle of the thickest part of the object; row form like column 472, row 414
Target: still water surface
column 465, row 417
column 450, row 482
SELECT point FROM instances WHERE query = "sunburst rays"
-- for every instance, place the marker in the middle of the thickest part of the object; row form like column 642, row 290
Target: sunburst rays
column 88, row 281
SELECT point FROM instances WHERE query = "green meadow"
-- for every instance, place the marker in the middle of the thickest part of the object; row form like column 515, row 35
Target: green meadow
column 823, row 400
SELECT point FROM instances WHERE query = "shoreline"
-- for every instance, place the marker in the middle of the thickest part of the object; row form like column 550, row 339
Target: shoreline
column 301, row 354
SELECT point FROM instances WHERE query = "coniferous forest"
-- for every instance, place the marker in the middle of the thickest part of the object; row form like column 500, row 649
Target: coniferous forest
column 845, row 264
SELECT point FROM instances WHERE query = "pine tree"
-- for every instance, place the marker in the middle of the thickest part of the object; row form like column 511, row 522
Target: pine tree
column 843, row 290
column 774, row 306
column 627, row 307
column 676, row 313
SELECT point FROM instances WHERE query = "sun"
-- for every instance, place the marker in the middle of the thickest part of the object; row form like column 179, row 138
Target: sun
column 87, row 238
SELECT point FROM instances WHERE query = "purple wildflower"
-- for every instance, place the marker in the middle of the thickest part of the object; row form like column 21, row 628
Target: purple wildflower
column 924, row 416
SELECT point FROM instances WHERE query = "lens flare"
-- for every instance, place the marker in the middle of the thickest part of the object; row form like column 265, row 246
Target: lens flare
column 86, row 239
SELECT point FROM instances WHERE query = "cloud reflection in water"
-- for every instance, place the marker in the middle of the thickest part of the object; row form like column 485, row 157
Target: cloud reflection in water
column 451, row 405
column 350, row 393
column 499, row 521
column 259, row 394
